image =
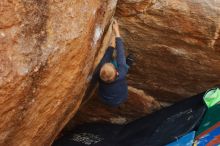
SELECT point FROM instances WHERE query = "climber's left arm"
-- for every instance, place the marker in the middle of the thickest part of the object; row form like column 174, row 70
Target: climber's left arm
column 106, row 58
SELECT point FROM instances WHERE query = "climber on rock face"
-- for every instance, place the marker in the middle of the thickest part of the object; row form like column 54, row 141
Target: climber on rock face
column 113, row 87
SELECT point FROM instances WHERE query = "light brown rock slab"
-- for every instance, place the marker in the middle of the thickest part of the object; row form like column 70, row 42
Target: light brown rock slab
column 138, row 105
column 47, row 51
column 176, row 45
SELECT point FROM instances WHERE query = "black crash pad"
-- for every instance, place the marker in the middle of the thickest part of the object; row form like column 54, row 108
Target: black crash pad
column 157, row 129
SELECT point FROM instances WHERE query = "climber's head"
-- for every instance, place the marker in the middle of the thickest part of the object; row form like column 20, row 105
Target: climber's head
column 108, row 73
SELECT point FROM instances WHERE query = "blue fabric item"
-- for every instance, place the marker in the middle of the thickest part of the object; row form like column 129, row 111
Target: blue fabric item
column 116, row 92
column 186, row 140
column 209, row 137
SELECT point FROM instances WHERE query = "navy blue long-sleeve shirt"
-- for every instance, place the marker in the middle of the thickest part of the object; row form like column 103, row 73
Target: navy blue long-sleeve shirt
column 116, row 92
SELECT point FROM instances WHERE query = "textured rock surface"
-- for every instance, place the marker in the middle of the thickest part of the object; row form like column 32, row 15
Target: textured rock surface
column 137, row 105
column 47, row 50
column 176, row 44
column 177, row 48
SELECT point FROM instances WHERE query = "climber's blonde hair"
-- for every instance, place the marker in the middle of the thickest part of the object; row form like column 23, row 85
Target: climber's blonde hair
column 108, row 73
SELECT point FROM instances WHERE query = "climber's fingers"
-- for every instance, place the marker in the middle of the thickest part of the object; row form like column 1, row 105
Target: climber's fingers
column 115, row 26
column 114, row 21
column 112, row 40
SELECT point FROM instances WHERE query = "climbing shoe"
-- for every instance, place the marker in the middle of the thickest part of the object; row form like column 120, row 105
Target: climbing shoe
column 130, row 60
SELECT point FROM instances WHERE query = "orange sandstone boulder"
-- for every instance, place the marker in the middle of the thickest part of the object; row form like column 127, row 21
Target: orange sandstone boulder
column 47, row 51
column 176, row 44
column 137, row 105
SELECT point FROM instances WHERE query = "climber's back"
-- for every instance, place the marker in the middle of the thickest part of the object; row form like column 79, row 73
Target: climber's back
column 113, row 87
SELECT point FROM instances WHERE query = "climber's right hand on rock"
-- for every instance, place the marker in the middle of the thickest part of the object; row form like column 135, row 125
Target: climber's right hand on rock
column 116, row 28
column 112, row 43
